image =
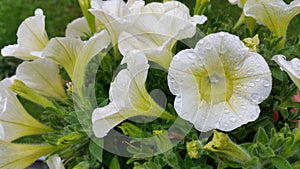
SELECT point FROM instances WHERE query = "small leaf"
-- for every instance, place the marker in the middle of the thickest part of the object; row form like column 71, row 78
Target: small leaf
column 261, row 136
column 96, row 149
column 280, row 163
column 114, row 164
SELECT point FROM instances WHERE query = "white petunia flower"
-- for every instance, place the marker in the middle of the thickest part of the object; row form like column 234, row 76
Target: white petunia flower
column 21, row 155
column 32, row 38
column 15, row 122
column 157, row 29
column 275, row 14
column 116, row 15
column 219, row 84
column 74, row 54
column 43, row 76
column 128, row 96
column 291, row 67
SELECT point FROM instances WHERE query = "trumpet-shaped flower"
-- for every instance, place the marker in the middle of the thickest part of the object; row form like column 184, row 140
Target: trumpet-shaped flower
column 43, row 76
column 15, row 122
column 157, row 29
column 275, row 14
column 116, row 15
column 291, row 67
column 219, row 85
column 21, row 155
column 74, row 54
column 32, row 38
column 128, row 97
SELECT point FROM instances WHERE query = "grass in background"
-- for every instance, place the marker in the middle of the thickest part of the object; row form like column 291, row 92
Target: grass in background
column 58, row 14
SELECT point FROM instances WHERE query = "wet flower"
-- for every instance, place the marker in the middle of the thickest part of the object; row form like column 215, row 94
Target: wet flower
column 219, row 85
column 157, row 29
column 32, row 38
column 21, row 155
column 275, row 14
column 128, row 96
column 292, row 68
column 42, row 75
column 116, row 15
column 15, row 122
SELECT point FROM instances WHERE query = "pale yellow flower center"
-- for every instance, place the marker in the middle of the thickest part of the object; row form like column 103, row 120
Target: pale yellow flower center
column 215, row 87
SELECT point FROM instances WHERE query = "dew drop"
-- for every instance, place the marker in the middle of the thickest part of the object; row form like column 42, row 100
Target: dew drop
column 267, row 83
column 243, row 107
column 255, row 97
column 233, row 119
column 258, row 65
column 191, row 55
column 226, row 124
column 208, row 46
column 257, row 80
column 251, row 84
column 238, row 86
column 250, row 72
column 222, row 34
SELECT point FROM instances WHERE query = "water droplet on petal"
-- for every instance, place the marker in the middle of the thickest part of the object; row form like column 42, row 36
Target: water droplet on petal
column 250, row 72
column 251, row 84
column 243, row 107
column 233, row 119
column 222, row 34
column 257, row 80
column 267, row 83
column 258, row 65
column 255, row 97
column 191, row 55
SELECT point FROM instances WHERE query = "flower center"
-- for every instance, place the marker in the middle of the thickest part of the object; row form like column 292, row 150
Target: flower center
column 215, row 87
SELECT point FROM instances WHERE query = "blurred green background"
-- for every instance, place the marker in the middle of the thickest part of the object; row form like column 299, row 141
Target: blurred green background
column 12, row 12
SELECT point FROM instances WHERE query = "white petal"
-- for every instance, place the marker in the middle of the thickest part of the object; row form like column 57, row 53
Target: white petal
column 105, row 118
column 77, row 28
column 275, row 14
column 64, row 51
column 43, row 76
column 291, row 67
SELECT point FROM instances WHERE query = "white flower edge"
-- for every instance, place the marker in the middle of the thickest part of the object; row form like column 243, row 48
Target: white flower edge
column 43, row 76
column 291, row 67
column 32, row 38
column 248, row 73
column 128, row 96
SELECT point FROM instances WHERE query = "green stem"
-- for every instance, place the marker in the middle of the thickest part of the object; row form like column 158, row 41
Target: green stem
column 167, row 116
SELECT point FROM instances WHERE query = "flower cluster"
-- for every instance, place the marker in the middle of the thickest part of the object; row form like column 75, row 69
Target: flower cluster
column 216, row 84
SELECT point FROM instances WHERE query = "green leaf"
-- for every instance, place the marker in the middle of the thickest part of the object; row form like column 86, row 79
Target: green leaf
column 277, row 73
column 114, row 164
column 280, row 163
column 261, row 136
column 95, row 148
